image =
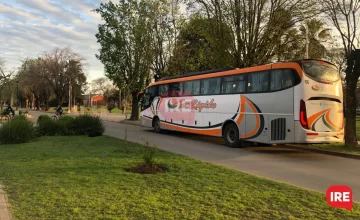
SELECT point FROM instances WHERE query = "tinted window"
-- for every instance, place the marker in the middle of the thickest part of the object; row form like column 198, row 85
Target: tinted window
column 282, row 79
column 164, row 90
column 175, row 89
column 258, row 82
column 321, row 71
column 210, row 86
column 276, row 80
column 149, row 95
column 191, row 88
column 288, row 79
column 233, row 84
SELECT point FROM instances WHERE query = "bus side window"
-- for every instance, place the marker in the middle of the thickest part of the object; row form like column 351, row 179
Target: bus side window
column 287, row 78
column 175, row 89
column 276, row 80
column 258, row 82
column 233, row 84
column 211, row 86
column 195, row 87
column 191, row 88
column 164, row 90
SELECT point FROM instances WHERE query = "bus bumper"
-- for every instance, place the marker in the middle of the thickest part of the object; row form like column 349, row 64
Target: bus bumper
column 313, row 137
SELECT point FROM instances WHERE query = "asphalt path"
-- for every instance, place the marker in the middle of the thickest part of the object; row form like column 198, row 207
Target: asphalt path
column 300, row 168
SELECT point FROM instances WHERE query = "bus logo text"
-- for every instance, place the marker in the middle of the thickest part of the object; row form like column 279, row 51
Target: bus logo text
column 193, row 104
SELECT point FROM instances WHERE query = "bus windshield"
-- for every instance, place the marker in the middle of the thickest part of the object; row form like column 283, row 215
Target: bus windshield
column 321, row 71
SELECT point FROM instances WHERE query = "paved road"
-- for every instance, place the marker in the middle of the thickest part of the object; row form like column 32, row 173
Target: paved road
column 305, row 169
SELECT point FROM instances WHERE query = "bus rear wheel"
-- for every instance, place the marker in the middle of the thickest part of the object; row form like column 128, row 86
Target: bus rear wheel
column 231, row 135
column 156, row 125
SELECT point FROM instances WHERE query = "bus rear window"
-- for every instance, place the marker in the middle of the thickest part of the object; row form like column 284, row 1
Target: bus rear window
column 321, row 71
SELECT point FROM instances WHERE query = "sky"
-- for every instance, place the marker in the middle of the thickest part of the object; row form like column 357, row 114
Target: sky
column 30, row 27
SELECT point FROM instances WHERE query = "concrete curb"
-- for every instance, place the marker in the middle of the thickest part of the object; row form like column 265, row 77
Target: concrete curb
column 315, row 150
column 5, row 212
column 135, row 123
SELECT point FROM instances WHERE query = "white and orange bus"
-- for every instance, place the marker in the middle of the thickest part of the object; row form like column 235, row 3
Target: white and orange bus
column 286, row 102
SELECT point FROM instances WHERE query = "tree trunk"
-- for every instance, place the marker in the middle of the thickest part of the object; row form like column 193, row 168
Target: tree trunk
column 47, row 105
column 37, row 103
column 134, row 106
column 12, row 99
column 350, row 112
column 119, row 105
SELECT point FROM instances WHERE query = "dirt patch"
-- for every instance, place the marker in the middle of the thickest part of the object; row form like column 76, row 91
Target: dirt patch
column 144, row 168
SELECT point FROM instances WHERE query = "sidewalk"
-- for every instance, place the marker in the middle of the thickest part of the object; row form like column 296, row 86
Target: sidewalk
column 5, row 213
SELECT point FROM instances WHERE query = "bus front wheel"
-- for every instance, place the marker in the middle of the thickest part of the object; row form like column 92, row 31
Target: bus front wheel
column 156, row 125
column 231, row 135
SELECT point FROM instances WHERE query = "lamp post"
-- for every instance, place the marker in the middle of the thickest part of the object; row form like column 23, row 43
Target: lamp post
column 17, row 94
column 306, row 33
column 68, row 64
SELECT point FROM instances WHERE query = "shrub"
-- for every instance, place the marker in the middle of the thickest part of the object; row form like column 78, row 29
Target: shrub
column 16, row 131
column 89, row 125
column 46, row 126
column 43, row 117
column 65, row 126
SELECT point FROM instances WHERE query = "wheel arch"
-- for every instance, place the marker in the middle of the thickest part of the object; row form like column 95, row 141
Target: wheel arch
column 226, row 123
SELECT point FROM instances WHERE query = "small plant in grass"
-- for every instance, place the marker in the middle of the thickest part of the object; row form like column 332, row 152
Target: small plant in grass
column 18, row 130
column 149, row 164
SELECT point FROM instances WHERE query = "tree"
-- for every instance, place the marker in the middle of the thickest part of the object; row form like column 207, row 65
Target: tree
column 345, row 16
column 6, row 81
column 33, row 85
column 166, row 23
column 317, row 35
column 125, row 40
column 200, row 47
column 102, row 85
column 258, row 26
column 62, row 66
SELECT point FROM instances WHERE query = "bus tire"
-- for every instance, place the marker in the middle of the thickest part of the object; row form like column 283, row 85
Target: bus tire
column 231, row 135
column 156, row 125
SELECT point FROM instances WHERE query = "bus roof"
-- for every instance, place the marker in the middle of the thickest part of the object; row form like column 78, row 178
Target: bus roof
column 295, row 64
column 198, row 73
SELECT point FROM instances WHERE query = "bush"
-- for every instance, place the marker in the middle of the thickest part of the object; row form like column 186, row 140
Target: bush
column 65, row 126
column 43, row 117
column 89, row 125
column 16, row 131
column 46, row 126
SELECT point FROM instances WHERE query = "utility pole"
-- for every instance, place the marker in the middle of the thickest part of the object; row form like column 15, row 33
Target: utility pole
column 17, row 94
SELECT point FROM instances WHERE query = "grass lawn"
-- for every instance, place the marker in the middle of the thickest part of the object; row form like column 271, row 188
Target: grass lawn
column 85, row 178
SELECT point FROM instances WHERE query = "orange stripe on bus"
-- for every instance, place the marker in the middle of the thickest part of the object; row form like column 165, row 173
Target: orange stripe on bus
column 257, row 126
column 234, row 72
column 315, row 116
column 212, row 132
column 242, row 110
column 327, row 117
